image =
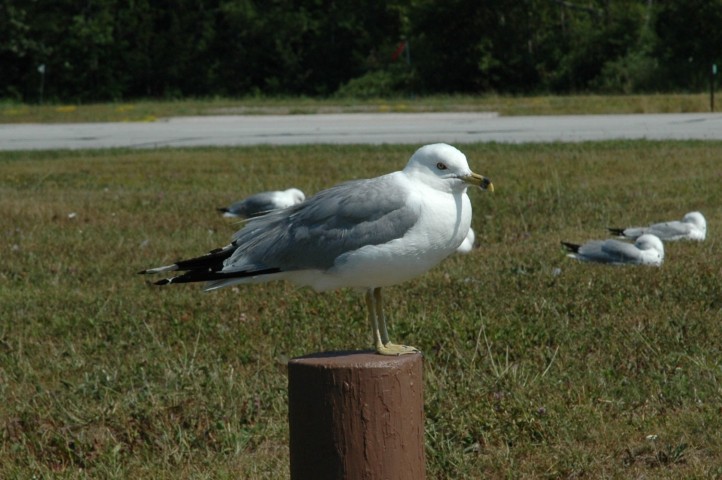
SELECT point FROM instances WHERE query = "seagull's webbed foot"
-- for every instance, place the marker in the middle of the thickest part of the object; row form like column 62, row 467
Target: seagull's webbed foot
column 379, row 331
column 394, row 349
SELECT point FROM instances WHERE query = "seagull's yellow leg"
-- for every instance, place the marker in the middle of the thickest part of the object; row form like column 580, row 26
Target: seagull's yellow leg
column 385, row 347
column 375, row 334
column 380, row 317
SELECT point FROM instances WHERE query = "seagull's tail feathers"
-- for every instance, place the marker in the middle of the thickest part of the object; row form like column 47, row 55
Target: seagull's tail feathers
column 227, row 212
column 616, row 231
column 210, row 262
column 571, row 247
column 233, row 278
column 216, row 279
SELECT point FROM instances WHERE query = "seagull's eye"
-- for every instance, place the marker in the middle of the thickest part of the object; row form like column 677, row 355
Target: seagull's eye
column 441, row 166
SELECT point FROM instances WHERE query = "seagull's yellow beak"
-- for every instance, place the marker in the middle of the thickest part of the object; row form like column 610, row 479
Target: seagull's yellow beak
column 479, row 181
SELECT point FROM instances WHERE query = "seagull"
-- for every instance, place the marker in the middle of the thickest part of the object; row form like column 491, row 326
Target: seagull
column 647, row 250
column 692, row 227
column 362, row 234
column 468, row 244
column 262, row 203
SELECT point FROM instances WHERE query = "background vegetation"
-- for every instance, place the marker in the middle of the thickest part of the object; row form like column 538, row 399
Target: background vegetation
column 113, row 50
column 536, row 366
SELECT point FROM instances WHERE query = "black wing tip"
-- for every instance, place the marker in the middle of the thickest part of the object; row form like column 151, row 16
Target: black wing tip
column 572, row 247
column 222, row 209
column 208, row 276
column 616, row 231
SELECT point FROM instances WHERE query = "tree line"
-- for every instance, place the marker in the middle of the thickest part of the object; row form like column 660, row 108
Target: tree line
column 96, row 50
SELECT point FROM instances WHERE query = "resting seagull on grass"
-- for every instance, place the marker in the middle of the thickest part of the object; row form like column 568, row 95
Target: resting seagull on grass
column 364, row 234
column 692, row 227
column 262, row 203
column 647, row 250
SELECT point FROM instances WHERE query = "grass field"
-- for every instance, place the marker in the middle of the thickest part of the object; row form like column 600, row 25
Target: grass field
column 536, row 366
column 149, row 111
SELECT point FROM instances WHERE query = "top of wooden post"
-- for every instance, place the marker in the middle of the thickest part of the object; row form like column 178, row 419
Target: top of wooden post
column 353, row 359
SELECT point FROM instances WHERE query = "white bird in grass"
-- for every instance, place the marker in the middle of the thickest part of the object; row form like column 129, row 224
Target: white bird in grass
column 692, row 227
column 365, row 234
column 647, row 250
column 262, row 203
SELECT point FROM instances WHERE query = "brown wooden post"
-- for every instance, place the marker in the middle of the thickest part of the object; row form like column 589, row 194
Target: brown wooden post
column 356, row 415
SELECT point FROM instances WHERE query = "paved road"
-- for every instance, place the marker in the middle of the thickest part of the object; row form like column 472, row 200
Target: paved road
column 409, row 128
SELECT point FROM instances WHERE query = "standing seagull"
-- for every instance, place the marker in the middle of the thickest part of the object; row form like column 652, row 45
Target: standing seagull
column 692, row 227
column 262, row 203
column 647, row 250
column 365, row 234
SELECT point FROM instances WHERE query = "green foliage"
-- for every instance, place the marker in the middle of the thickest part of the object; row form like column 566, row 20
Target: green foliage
column 690, row 37
column 376, row 84
column 107, row 49
column 113, row 50
column 536, row 366
column 487, row 47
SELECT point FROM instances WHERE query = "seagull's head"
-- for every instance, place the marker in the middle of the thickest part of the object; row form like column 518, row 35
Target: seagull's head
column 297, row 195
column 652, row 249
column 444, row 168
column 696, row 219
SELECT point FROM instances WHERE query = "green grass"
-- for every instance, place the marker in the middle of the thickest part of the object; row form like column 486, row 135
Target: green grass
column 149, row 111
column 530, row 372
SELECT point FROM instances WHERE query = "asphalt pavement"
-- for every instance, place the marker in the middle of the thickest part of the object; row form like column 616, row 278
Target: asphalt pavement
column 366, row 128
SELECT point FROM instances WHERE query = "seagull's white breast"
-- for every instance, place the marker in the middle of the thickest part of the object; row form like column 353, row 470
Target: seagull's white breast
column 443, row 222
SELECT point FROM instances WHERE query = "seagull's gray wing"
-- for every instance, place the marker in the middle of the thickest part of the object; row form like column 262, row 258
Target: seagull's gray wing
column 631, row 232
column 313, row 234
column 605, row 251
column 615, row 251
column 254, row 205
column 668, row 230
